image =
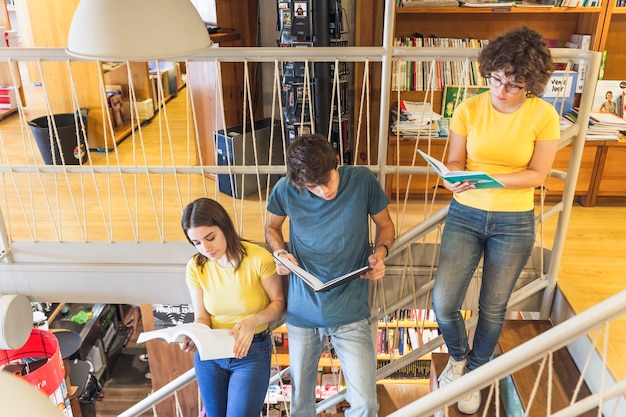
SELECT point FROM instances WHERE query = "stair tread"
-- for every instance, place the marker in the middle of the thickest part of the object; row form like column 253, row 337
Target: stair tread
column 437, row 364
column 565, row 373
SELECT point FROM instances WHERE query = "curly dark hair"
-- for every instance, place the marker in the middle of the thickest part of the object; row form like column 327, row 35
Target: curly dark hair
column 522, row 53
column 310, row 160
column 207, row 212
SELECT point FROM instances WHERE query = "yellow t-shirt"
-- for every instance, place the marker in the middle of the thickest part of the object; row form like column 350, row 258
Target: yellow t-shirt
column 499, row 143
column 230, row 296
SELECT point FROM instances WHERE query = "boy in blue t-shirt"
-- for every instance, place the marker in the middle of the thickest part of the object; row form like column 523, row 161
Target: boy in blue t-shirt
column 329, row 208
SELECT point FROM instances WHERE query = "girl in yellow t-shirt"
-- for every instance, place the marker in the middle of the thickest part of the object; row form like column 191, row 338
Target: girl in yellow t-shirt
column 511, row 134
column 233, row 285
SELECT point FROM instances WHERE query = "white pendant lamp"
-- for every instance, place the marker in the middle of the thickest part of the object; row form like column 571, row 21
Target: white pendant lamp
column 126, row 30
column 19, row 398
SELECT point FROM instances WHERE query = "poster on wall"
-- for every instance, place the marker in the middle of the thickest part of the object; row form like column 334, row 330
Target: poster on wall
column 169, row 315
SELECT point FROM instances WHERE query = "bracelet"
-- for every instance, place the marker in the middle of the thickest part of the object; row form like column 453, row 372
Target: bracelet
column 382, row 245
column 278, row 252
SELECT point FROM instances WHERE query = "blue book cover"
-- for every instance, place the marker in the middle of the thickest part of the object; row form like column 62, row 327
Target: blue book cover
column 560, row 91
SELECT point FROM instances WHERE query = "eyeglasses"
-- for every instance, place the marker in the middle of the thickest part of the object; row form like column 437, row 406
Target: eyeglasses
column 496, row 82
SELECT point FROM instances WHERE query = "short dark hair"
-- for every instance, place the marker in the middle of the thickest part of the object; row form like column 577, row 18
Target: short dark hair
column 522, row 53
column 310, row 160
column 207, row 212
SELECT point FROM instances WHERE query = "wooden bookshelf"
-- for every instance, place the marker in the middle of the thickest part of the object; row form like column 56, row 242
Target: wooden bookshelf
column 10, row 73
column 606, row 24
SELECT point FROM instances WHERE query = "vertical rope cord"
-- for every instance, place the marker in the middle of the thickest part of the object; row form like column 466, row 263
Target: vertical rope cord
column 583, row 372
column 83, row 130
column 94, row 180
column 13, row 178
column 164, row 121
column 550, row 384
column 179, row 410
column 307, row 95
column 108, row 123
column 238, row 224
column 535, row 386
column 25, row 148
column 255, row 146
column 162, row 124
column 360, row 114
column 490, row 396
column 244, row 133
column 331, row 111
column 39, row 175
column 79, row 128
column 190, row 107
column 396, row 177
column 276, row 102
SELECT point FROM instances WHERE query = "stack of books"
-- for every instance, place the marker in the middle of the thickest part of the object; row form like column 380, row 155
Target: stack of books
column 602, row 125
column 417, row 119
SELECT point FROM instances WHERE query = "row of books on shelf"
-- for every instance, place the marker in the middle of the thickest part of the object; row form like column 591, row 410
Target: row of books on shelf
column 420, row 369
column 500, row 3
column 417, row 119
column 415, row 75
column 402, row 340
column 416, row 315
column 8, row 97
column 603, row 126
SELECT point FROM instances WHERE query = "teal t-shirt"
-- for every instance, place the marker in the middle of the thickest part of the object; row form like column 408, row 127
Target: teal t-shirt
column 329, row 239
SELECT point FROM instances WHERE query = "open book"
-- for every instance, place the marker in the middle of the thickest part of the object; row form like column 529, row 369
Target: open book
column 315, row 282
column 211, row 343
column 480, row 179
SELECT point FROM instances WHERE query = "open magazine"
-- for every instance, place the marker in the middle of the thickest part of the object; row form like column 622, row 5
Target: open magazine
column 211, row 343
column 480, row 179
column 314, row 282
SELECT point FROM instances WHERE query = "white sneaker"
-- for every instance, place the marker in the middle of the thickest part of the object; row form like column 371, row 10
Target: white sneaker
column 453, row 371
column 470, row 404
column 143, row 357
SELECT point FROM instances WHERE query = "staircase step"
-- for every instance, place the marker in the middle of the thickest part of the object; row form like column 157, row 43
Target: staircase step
column 437, row 364
column 565, row 373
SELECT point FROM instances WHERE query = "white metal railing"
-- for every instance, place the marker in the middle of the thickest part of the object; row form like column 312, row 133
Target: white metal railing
column 145, row 272
column 504, row 365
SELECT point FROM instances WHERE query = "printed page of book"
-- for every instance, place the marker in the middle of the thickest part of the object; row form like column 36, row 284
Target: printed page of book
column 314, row 282
column 211, row 343
column 480, row 179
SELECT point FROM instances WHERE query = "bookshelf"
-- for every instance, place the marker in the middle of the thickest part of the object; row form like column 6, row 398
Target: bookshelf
column 6, row 77
column 614, row 37
column 306, row 87
column 606, row 24
column 402, row 331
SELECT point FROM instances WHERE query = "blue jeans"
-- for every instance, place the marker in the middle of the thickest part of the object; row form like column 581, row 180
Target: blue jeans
column 354, row 346
column 236, row 387
column 505, row 241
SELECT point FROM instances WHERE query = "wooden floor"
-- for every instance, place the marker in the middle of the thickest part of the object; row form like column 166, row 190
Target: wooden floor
column 593, row 268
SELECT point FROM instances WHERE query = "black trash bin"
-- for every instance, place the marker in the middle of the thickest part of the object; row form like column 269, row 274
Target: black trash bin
column 74, row 151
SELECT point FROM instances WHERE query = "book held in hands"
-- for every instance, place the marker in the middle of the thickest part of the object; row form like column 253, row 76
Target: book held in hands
column 211, row 343
column 479, row 179
column 317, row 284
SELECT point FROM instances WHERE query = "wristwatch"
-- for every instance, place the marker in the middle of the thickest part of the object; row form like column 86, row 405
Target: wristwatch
column 278, row 252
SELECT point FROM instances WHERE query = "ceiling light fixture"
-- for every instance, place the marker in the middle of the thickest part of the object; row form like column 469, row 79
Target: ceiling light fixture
column 126, row 30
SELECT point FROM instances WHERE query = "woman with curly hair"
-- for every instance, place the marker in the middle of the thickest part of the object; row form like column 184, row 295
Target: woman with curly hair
column 511, row 134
